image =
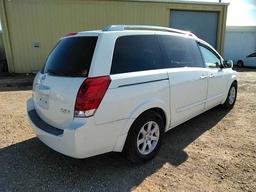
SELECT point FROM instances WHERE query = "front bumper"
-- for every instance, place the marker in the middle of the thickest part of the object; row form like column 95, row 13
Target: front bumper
column 82, row 140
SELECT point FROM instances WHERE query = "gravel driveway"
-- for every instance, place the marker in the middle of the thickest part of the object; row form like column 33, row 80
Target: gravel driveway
column 215, row 151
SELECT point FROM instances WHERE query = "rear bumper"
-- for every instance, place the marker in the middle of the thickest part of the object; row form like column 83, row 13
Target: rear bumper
column 38, row 122
column 86, row 140
column 64, row 143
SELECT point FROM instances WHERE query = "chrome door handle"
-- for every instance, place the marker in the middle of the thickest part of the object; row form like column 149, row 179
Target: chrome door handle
column 211, row 75
column 203, row 77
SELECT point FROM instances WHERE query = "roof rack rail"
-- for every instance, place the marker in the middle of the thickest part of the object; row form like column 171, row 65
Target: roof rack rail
column 145, row 27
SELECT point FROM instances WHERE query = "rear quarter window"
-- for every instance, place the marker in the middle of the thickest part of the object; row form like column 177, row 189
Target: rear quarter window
column 71, row 57
column 136, row 53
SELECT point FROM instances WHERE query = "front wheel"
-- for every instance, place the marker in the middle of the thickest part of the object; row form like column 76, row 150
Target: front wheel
column 144, row 138
column 231, row 98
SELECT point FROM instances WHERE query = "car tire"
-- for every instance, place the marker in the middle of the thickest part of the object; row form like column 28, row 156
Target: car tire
column 144, row 137
column 240, row 63
column 231, row 98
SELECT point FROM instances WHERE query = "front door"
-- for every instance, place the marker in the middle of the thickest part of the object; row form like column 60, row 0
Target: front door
column 251, row 60
column 187, row 75
column 188, row 92
column 217, row 81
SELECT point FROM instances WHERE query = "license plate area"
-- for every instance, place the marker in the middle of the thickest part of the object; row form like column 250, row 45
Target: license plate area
column 43, row 101
column 42, row 97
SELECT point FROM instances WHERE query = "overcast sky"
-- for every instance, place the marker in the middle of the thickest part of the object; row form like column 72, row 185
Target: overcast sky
column 240, row 12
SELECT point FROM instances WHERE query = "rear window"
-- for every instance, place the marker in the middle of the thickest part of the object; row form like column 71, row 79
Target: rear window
column 71, row 57
column 136, row 53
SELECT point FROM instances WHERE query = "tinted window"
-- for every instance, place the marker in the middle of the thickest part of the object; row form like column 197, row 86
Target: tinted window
column 252, row 55
column 180, row 52
column 71, row 57
column 136, row 53
column 210, row 58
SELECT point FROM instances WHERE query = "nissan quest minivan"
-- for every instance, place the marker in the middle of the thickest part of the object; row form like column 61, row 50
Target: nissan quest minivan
column 121, row 88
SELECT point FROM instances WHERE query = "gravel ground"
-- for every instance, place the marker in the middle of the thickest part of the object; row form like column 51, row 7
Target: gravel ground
column 215, row 151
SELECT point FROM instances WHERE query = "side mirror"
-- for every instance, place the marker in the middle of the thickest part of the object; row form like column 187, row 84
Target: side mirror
column 228, row 64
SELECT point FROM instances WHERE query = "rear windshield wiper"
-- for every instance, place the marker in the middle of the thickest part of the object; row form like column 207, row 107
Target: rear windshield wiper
column 51, row 72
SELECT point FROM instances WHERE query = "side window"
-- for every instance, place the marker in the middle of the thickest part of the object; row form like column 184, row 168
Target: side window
column 180, row 52
column 252, row 55
column 136, row 53
column 210, row 58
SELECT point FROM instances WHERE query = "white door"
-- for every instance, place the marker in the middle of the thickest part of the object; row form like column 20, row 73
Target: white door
column 187, row 75
column 188, row 93
column 250, row 60
column 217, row 77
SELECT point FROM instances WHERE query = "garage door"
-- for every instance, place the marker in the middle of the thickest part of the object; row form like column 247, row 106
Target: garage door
column 203, row 24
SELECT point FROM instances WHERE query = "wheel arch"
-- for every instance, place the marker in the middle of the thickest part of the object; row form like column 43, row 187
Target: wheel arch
column 155, row 109
column 154, row 106
column 240, row 61
column 232, row 80
column 158, row 110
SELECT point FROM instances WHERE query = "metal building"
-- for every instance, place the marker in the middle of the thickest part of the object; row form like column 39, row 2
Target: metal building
column 3, row 63
column 1, row 40
column 32, row 27
column 2, row 54
column 240, row 41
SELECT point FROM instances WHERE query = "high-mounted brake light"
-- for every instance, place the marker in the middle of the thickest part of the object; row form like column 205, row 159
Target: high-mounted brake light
column 90, row 95
column 71, row 33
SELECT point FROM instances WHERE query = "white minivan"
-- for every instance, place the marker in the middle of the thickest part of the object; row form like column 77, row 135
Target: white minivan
column 121, row 88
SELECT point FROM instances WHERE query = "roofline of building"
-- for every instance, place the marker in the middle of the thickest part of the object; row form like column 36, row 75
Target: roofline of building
column 181, row 2
column 241, row 28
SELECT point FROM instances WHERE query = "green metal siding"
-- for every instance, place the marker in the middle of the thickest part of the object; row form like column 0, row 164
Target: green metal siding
column 1, row 41
column 45, row 21
column 2, row 51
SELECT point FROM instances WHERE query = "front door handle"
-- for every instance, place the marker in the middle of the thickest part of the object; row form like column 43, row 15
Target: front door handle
column 203, row 77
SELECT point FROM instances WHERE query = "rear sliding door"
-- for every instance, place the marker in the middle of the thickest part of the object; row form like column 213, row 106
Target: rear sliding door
column 187, row 76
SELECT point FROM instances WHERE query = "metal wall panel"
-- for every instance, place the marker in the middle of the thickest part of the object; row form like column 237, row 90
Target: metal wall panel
column 239, row 42
column 43, row 22
column 1, row 41
column 2, row 52
column 203, row 23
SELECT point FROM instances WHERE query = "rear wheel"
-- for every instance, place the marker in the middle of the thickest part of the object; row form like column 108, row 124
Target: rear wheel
column 231, row 98
column 145, row 136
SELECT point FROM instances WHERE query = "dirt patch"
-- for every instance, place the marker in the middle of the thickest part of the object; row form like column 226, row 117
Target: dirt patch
column 15, row 82
column 215, row 151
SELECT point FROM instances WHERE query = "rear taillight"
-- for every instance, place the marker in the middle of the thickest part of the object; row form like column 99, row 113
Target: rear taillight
column 90, row 95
